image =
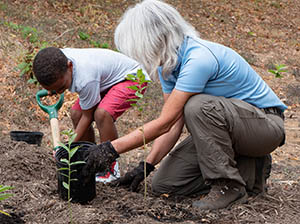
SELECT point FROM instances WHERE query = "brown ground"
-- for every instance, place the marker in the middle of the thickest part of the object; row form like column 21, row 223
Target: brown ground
column 264, row 32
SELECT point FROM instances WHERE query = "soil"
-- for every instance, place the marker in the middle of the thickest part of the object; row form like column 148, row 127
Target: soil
column 264, row 32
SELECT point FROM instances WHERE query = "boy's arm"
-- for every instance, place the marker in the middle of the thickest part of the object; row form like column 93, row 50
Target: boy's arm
column 84, row 122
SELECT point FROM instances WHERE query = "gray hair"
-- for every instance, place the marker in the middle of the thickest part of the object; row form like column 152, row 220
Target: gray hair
column 151, row 32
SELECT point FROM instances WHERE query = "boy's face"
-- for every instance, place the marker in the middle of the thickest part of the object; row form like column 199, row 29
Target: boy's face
column 63, row 83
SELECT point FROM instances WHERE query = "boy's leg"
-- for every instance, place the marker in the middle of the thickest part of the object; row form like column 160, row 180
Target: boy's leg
column 113, row 104
column 179, row 172
column 76, row 114
column 105, row 124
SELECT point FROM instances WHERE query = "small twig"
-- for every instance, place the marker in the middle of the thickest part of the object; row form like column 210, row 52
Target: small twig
column 67, row 31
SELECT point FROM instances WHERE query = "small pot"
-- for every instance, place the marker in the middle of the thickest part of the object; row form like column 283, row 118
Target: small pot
column 30, row 137
column 82, row 190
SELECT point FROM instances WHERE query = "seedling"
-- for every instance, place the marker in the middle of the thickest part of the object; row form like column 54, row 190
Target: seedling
column 71, row 151
column 279, row 69
column 4, row 196
column 139, row 103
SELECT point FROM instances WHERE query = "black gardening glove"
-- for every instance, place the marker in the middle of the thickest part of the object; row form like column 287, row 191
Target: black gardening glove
column 134, row 177
column 99, row 158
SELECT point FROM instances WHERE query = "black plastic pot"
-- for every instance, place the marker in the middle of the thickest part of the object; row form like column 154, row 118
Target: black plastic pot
column 31, row 137
column 82, row 190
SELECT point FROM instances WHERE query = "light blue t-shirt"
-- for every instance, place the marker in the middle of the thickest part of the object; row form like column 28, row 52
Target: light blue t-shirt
column 95, row 70
column 211, row 68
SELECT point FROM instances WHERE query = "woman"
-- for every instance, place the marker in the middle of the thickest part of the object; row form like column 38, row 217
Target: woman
column 234, row 119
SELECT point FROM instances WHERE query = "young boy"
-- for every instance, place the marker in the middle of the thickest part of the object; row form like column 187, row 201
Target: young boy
column 98, row 76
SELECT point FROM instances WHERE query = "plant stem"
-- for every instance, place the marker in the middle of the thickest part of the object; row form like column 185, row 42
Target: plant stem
column 69, row 190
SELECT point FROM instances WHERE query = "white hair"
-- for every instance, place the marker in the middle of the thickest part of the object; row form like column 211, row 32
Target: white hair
column 151, row 32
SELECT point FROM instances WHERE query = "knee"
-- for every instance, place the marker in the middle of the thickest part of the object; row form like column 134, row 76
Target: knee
column 158, row 187
column 101, row 115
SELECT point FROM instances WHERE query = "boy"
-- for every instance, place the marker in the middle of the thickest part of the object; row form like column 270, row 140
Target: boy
column 98, row 76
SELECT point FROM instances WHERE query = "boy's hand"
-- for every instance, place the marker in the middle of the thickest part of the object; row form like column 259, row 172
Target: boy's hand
column 134, row 177
column 99, row 158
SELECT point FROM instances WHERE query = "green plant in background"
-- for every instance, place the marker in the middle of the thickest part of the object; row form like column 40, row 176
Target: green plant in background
column 32, row 36
column 278, row 70
column 67, row 185
column 4, row 195
column 84, row 36
column 139, row 103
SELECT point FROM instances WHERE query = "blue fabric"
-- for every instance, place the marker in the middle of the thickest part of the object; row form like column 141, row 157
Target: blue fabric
column 211, row 68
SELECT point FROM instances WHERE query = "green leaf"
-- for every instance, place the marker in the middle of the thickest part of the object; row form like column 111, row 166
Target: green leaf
column 5, row 188
column 64, row 161
column 22, row 65
column 66, row 185
column 63, row 168
column 5, row 196
column 73, row 151
column 139, row 95
column 77, row 163
column 74, row 179
column 133, row 100
column 5, row 213
column 131, row 77
column 83, row 36
column 133, row 88
column 105, row 45
column 64, row 146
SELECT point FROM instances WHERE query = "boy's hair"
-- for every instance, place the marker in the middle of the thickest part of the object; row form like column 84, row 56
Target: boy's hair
column 49, row 65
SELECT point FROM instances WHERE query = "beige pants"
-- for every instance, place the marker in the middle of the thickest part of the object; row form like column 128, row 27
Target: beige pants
column 229, row 139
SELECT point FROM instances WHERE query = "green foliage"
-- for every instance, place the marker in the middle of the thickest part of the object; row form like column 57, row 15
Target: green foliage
column 4, row 195
column 67, row 185
column 139, row 88
column 32, row 36
column 83, row 36
column 278, row 70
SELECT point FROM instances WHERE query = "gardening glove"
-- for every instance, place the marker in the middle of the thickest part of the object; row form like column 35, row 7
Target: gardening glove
column 99, row 158
column 134, row 177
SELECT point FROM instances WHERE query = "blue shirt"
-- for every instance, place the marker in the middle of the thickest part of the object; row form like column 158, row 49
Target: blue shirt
column 211, row 68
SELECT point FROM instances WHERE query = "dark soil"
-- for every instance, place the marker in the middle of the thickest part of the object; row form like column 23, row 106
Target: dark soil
column 264, row 32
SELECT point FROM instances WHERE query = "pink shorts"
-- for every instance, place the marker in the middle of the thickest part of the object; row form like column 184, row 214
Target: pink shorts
column 115, row 100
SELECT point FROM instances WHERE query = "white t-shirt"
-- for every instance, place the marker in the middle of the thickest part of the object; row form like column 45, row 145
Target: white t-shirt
column 95, row 70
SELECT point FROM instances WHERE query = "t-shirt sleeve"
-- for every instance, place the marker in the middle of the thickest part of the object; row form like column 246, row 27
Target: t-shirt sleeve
column 89, row 96
column 195, row 73
column 167, row 85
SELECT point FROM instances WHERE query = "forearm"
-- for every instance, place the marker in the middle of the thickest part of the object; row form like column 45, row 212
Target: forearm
column 163, row 145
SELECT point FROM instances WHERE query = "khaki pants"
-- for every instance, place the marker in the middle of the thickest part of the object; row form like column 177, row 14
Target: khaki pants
column 230, row 139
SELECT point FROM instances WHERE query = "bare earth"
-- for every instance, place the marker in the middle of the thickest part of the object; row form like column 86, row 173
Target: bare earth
column 264, row 32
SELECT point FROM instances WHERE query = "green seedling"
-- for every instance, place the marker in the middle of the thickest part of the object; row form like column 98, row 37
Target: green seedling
column 279, row 69
column 139, row 104
column 83, row 35
column 4, row 196
column 71, row 151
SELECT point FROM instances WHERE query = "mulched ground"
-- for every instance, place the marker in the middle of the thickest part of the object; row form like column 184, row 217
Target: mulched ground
column 32, row 171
